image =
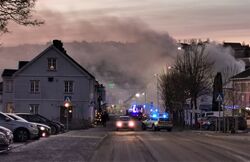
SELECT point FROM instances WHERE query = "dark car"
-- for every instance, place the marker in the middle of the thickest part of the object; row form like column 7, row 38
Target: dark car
column 6, row 138
column 44, row 130
column 209, row 123
column 36, row 118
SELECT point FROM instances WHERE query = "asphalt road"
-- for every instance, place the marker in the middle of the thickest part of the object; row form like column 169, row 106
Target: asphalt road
column 106, row 144
column 186, row 146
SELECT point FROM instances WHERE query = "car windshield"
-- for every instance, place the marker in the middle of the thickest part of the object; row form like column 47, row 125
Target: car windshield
column 15, row 117
column 124, row 118
column 163, row 119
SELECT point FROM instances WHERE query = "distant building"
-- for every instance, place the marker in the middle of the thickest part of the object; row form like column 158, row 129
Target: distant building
column 240, row 51
column 45, row 83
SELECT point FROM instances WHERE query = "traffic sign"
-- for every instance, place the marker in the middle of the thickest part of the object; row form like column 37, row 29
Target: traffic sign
column 67, row 98
column 219, row 98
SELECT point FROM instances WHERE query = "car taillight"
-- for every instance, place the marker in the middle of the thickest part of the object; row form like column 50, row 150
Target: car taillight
column 118, row 124
column 131, row 124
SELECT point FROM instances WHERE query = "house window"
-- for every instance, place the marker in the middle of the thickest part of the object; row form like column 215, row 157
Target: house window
column 9, row 86
column 51, row 64
column 34, row 86
column 34, row 108
column 68, row 86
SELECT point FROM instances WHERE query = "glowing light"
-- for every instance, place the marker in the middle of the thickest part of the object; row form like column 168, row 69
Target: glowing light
column 119, row 124
column 151, row 110
column 43, row 134
column 154, row 115
column 131, row 124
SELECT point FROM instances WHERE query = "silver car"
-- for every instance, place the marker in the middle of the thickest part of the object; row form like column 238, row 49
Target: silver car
column 22, row 131
column 6, row 138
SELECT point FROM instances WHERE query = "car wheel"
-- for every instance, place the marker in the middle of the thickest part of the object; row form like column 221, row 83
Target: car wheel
column 169, row 129
column 143, row 126
column 53, row 130
column 21, row 135
column 212, row 128
column 154, row 128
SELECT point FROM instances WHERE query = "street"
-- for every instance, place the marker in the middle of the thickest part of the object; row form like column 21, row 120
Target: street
column 106, row 144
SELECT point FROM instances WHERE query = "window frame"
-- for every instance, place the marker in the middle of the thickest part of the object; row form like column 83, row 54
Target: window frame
column 52, row 62
column 8, row 87
column 34, row 86
column 67, row 87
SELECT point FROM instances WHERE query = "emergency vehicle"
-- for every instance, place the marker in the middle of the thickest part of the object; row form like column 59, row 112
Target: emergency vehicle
column 157, row 122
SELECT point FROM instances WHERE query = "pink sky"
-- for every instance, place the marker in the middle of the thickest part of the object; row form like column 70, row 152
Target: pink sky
column 102, row 20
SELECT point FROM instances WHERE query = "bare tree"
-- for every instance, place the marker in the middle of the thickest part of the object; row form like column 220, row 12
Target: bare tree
column 18, row 11
column 196, row 67
column 174, row 94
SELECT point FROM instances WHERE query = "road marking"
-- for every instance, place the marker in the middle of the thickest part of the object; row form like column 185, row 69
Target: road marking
column 78, row 136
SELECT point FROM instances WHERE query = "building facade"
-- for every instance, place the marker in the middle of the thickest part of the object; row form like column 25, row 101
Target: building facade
column 44, row 84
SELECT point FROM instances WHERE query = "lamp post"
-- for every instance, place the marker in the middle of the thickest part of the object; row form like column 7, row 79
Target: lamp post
column 66, row 105
column 157, row 91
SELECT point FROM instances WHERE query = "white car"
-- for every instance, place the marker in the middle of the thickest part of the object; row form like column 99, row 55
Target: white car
column 6, row 138
column 125, row 122
column 22, row 131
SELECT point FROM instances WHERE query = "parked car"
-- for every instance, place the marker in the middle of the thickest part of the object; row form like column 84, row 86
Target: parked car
column 36, row 118
column 125, row 122
column 44, row 130
column 22, row 131
column 6, row 138
column 209, row 123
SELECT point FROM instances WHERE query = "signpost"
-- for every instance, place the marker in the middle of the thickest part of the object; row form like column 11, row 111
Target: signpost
column 219, row 99
column 67, row 104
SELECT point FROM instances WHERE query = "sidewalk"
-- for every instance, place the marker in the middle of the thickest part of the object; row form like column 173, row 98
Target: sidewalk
column 239, row 135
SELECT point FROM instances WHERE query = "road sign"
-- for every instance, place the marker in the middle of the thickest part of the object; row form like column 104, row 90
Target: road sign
column 219, row 98
column 67, row 98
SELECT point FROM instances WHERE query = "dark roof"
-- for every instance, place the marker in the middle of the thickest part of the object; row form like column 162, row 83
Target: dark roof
column 243, row 74
column 59, row 45
column 8, row 72
column 233, row 45
column 22, row 63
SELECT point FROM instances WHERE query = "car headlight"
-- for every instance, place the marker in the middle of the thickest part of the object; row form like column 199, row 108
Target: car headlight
column 42, row 128
column 118, row 124
column 131, row 124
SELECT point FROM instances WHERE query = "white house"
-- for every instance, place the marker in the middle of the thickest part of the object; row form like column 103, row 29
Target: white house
column 46, row 82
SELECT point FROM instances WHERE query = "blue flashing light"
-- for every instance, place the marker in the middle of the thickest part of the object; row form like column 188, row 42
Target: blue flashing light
column 156, row 110
column 154, row 115
column 151, row 109
column 144, row 106
column 164, row 116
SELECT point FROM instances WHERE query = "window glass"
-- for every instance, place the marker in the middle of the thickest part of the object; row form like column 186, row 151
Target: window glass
column 51, row 64
column 34, row 86
column 68, row 86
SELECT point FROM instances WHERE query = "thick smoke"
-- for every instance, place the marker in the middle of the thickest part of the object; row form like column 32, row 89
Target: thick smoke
column 126, row 53
column 224, row 61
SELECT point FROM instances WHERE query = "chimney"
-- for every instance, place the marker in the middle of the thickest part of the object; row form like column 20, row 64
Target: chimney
column 59, row 45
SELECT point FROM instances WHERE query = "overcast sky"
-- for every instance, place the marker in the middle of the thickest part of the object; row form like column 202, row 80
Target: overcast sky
column 219, row 20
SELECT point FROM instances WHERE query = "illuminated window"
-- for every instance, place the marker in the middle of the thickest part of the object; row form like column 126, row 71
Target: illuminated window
column 34, row 86
column 51, row 64
column 68, row 86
